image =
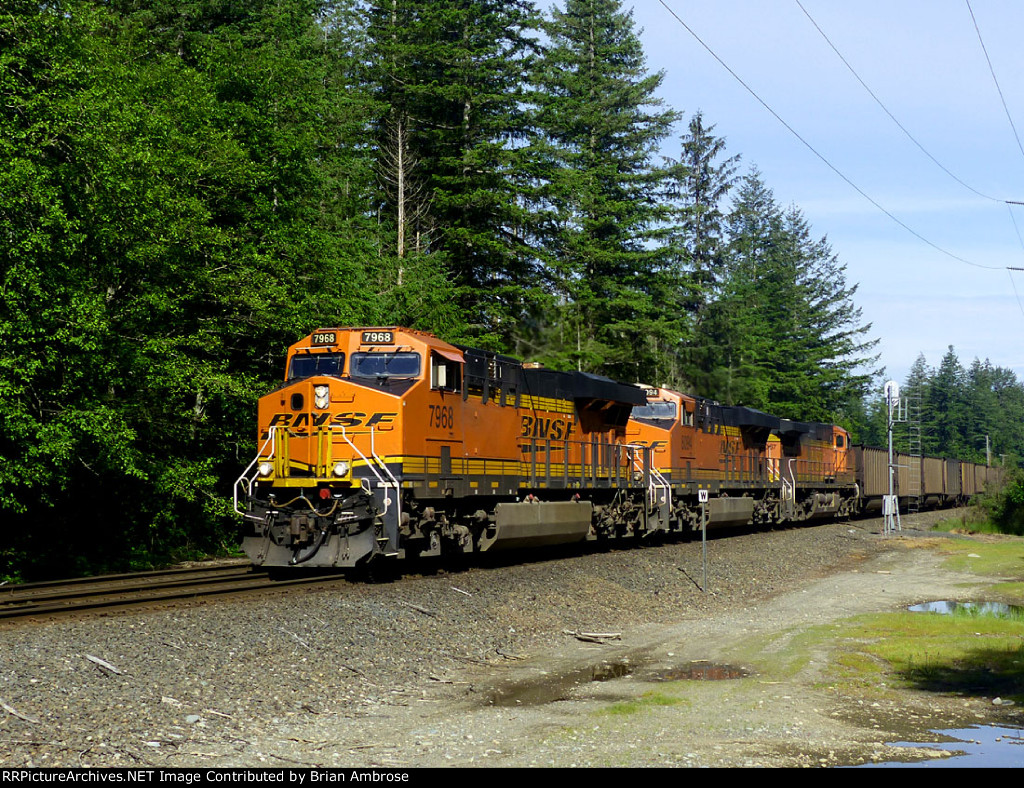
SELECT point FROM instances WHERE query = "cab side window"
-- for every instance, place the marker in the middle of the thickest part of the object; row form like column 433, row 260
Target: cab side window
column 445, row 374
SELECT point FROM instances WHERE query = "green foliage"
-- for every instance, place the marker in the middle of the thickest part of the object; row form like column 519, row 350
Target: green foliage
column 449, row 79
column 168, row 239
column 962, row 408
column 964, row 654
column 647, row 701
column 597, row 192
column 1004, row 507
column 789, row 339
column 695, row 257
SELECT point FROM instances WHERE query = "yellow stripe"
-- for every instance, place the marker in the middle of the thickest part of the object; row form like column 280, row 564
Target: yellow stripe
column 427, row 466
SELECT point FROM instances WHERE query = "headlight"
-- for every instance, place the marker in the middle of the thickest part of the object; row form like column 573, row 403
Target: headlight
column 322, row 397
column 340, row 468
column 266, row 468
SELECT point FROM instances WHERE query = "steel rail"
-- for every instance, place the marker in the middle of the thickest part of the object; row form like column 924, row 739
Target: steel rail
column 52, row 598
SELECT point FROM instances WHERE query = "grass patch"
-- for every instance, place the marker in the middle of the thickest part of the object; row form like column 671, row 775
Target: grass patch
column 965, row 653
column 781, row 655
column 994, row 556
column 1011, row 592
column 967, row 524
column 645, row 701
column 860, row 665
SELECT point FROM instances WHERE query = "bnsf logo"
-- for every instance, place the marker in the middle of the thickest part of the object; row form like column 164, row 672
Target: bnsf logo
column 350, row 419
column 656, row 445
column 555, row 429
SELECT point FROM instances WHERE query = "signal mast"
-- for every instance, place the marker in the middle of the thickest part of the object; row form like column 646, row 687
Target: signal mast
column 897, row 412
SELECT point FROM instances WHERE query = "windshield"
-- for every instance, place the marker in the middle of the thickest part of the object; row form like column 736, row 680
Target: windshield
column 308, row 365
column 656, row 410
column 385, row 365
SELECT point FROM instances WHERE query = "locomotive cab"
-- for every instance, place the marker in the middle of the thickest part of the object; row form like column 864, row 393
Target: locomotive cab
column 332, row 438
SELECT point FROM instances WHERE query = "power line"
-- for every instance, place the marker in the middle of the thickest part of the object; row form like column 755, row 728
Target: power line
column 1014, row 220
column 993, row 73
column 812, row 149
column 1009, row 273
column 887, row 112
column 911, row 136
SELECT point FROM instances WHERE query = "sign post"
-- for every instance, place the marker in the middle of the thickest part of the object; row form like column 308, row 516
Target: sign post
column 702, row 496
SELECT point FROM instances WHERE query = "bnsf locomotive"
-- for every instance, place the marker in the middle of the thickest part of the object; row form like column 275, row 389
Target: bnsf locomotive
column 390, row 443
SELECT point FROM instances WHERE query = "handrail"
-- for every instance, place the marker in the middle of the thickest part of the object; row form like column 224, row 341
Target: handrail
column 271, row 439
column 364, row 458
column 384, row 465
column 606, row 459
column 662, row 482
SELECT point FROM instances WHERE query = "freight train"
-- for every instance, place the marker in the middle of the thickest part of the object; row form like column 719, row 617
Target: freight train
column 389, row 443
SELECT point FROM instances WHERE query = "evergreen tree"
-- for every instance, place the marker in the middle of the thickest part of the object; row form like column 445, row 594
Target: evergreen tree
column 450, row 143
column 791, row 338
column 1005, row 422
column 961, row 408
column 867, row 421
column 748, row 320
column 840, row 357
column 699, row 182
column 946, row 405
column 597, row 191
column 981, row 400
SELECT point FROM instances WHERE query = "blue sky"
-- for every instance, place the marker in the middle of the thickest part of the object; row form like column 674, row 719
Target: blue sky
column 924, row 61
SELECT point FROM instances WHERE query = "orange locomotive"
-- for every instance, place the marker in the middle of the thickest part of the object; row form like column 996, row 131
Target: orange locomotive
column 756, row 467
column 388, row 442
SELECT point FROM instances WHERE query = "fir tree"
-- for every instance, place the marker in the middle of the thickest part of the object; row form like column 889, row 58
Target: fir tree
column 597, row 190
column 450, row 142
column 946, row 405
column 699, row 182
column 791, row 338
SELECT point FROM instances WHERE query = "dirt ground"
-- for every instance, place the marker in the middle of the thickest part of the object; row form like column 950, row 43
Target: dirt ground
column 607, row 704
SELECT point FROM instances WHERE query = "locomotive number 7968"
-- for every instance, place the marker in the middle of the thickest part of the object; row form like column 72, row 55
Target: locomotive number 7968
column 442, row 416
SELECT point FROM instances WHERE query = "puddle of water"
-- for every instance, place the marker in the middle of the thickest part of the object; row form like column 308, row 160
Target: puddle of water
column 700, row 671
column 550, row 689
column 981, row 746
column 611, row 670
column 973, row 608
column 553, row 688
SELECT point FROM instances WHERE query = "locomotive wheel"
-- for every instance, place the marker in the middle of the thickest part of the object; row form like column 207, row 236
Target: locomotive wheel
column 378, row 569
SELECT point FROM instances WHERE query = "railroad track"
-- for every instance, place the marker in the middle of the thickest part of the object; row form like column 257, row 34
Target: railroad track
column 138, row 588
